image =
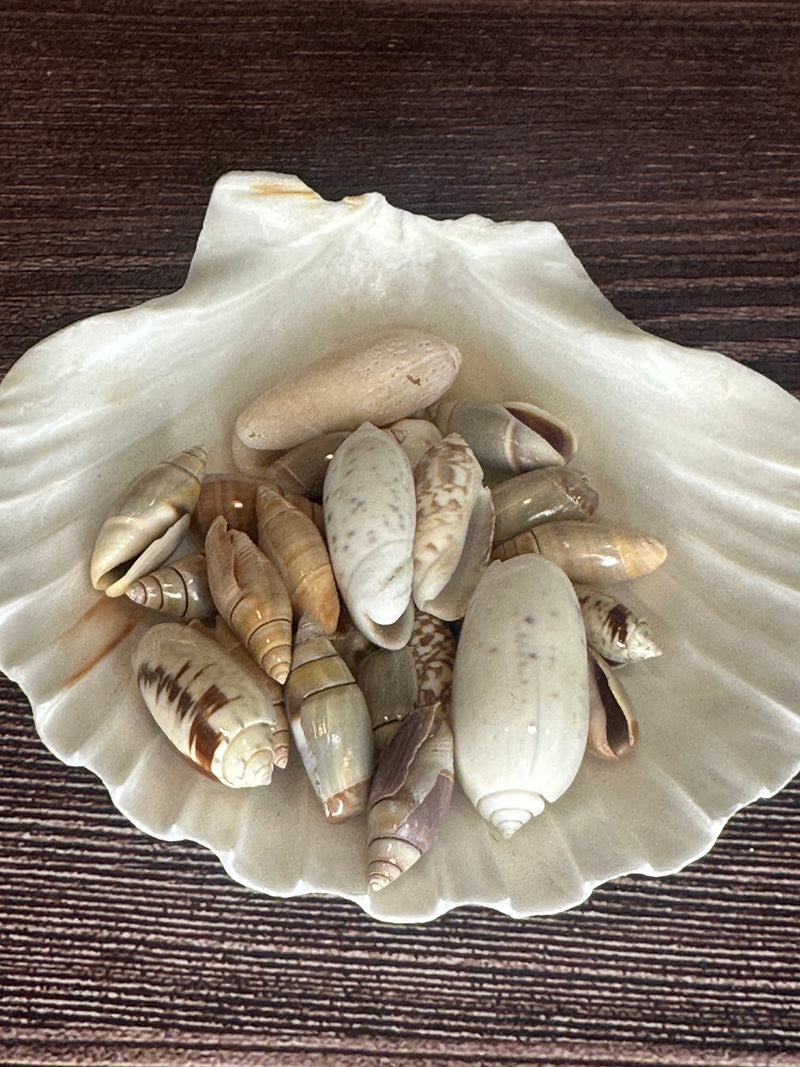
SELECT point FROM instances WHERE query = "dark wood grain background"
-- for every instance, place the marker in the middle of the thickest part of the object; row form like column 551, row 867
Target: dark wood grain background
column 664, row 140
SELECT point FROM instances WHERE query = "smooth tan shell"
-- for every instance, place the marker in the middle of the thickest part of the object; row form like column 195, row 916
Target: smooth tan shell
column 207, row 705
column 231, row 495
column 251, row 597
column 179, row 588
column 148, row 522
column 388, row 680
column 370, row 512
column 546, row 494
column 382, row 380
column 330, row 724
column 294, row 544
column 589, row 552
column 302, row 469
column 410, row 795
column 613, row 729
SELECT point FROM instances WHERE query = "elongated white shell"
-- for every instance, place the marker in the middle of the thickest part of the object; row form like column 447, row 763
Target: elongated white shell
column 520, row 691
column 208, row 707
column 370, row 511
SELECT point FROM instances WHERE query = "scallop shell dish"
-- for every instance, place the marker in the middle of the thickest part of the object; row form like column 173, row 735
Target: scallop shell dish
column 386, row 560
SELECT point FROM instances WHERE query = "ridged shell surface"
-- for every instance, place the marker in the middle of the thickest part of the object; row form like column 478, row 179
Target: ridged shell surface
column 520, row 691
column 206, row 704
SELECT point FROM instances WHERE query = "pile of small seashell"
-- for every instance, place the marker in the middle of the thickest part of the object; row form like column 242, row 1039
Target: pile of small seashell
column 412, row 588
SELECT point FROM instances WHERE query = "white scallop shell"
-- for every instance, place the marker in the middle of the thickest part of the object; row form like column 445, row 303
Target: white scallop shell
column 688, row 444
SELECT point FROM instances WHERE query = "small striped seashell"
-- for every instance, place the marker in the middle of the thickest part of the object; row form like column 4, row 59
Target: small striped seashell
column 388, row 680
column 231, row 495
column 148, row 522
column 415, row 436
column 251, row 597
column 271, row 690
column 455, row 522
column 207, row 705
column 370, row 511
column 612, row 629
column 179, row 588
column 330, row 724
column 433, row 648
column 294, row 544
column 500, row 441
column 410, row 795
column 302, row 469
column 613, row 730
column 589, row 552
column 384, row 379
column 546, row 494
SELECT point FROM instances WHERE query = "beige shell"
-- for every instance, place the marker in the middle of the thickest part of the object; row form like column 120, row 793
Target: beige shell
column 330, row 724
column 179, row 588
column 386, row 378
column 252, row 460
column 207, row 705
column 556, row 432
column 231, row 495
column 370, row 511
column 455, row 522
column 613, row 729
column 410, row 795
column 251, row 597
column 271, row 690
column 546, row 494
column 294, row 544
column 148, row 522
column 302, row 469
column 500, row 441
column 589, row 552
column 415, row 436
column 612, row 628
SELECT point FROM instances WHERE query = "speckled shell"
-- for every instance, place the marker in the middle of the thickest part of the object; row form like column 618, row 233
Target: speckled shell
column 148, row 522
column 612, row 629
column 207, row 705
column 613, row 729
column 520, row 691
column 499, row 440
column 294, row 544
column 330, row 724
column 179, row 588
column 455, row 522
column 544, row 495
column 589, row 552
column 384, row 379
column 433, row 648
column 251, row 597
column 410, row 795
column 370, row 512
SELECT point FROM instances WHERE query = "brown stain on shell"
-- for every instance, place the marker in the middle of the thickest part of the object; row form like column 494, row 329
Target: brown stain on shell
column 95, row 635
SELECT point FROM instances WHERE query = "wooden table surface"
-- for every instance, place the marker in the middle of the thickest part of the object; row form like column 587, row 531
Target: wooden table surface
column 663, row 139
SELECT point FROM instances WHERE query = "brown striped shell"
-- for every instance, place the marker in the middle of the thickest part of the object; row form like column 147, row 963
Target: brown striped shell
column 207, row 705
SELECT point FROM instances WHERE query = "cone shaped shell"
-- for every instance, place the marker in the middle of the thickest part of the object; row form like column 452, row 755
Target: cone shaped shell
column 210, row 708
column 386, row 378
column 148, row 522
column 251, row 597
column 179, row 589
